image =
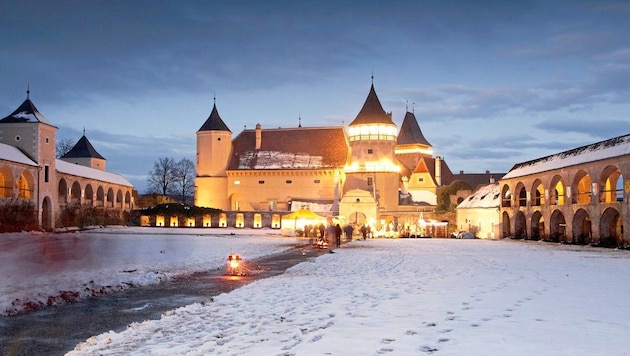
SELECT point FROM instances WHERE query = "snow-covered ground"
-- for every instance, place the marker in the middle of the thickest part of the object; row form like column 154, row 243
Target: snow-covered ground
column 408, row 297
column 381, row 296
column 37, row 270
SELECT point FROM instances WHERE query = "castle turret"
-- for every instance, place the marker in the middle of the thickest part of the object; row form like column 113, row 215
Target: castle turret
column 372, row 138
column 214, row 146
column 83, row 153
column 27, row 129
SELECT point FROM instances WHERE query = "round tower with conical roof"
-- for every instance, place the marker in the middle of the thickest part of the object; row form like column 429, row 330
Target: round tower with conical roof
column 214, row 147
column 372, row 138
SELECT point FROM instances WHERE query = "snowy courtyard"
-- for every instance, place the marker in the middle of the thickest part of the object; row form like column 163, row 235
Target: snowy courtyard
column 381, row 296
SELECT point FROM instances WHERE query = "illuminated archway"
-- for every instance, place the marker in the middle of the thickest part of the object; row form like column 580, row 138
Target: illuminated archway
column 26, row 184
column 506, row 196
column 538, row 193
column 6, row 182
column 581, row 188
column 556, row 191
column 521, row 194
column 611, row 185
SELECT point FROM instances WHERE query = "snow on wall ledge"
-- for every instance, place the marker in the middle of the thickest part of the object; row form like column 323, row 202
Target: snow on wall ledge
column 614, row 147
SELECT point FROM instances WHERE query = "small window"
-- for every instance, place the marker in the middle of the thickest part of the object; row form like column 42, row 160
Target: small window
column 218, row 138
column 370, row 151
column 237, row 182
column 18, row 138
column 316, row 181
column 46, row 139
column 288, row 181
column 46, row 173
column 420, row 179
column 261, row 182
column 369, row 181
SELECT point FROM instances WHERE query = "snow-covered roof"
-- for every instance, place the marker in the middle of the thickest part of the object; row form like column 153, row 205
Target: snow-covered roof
column 487, row 196
column 13, row 154
column 614, row 147
column 27, row 112
column 91, row 173
column 291, row 148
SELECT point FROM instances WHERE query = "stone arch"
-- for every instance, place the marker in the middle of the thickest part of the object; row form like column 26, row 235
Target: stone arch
column 581, row 227
column 610, row 228
column 119, row 199
column 6, row 182
column 26, row 185
column 110, row 198
column 557, row 226
column 521, row 195
column 62, row 192
column 556, row 191
column 538, row 193
column 538, row 226
column 128, row 200
column 100, row 196
column 506, row 230
column 611, row 185
column 506, row 196
column 520, row 225
column 75, row 193
column 581, row 188
column 47, row 214
column 88, row 198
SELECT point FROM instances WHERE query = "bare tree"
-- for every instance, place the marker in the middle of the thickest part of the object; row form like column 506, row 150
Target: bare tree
column 184, row 179
column 161, row 179
column 64, row 146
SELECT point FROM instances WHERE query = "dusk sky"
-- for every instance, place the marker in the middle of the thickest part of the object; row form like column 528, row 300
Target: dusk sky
column 492, row 83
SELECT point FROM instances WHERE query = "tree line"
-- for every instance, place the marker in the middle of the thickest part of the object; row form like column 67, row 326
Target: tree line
column 173, row 178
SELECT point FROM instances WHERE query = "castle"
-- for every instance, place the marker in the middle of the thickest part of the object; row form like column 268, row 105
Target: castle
column 369, row 172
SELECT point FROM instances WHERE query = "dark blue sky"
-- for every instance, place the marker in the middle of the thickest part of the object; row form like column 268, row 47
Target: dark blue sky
column 492, row 83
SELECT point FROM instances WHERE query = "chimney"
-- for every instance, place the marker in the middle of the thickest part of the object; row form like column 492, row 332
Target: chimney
column 438, row 171
column 258, row 136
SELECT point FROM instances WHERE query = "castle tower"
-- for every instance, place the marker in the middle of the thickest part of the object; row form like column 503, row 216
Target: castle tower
column 214, row 147
column 372, row 138
column 83, row 153
column 27, row 129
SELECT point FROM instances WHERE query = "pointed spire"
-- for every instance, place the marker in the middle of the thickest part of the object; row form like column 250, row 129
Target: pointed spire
column 372, row 111
column 410, row 132
column 82, row 149
column 214, row 121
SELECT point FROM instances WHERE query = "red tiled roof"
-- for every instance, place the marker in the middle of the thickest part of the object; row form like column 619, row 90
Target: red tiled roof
column 291, row 148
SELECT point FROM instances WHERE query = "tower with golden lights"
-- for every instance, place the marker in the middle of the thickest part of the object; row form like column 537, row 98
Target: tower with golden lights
column 371, row 172
column 214, row 146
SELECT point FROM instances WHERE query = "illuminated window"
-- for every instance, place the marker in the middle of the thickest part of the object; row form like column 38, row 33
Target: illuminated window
column 237, row 182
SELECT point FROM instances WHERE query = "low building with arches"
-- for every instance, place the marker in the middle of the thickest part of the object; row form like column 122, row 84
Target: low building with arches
column 577, row 196
column 30, row 171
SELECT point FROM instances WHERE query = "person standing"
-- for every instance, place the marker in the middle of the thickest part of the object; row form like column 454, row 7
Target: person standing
column 338, row 233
